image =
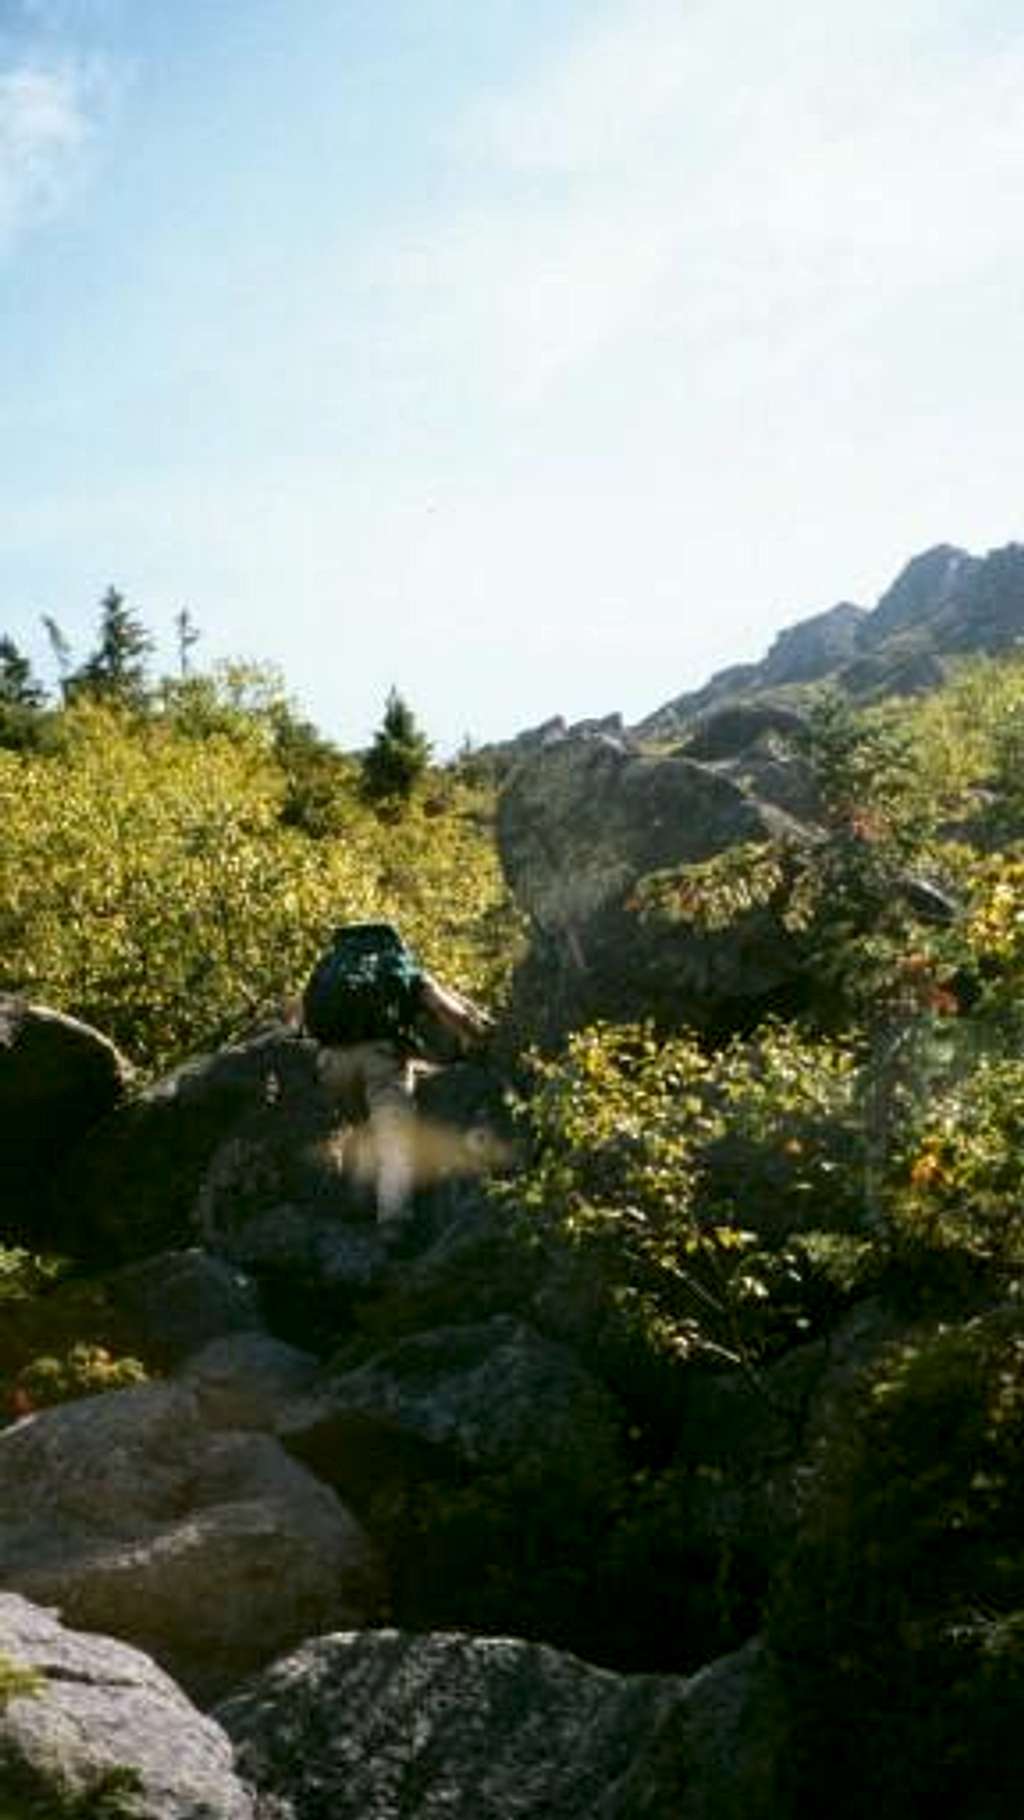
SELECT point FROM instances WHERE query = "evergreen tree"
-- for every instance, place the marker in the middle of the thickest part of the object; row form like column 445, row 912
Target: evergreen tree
column 399, row 755
column 22, row 700
column 116, row 671
column 18, row 686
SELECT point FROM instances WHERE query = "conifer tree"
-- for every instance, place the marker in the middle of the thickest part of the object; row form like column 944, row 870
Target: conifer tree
column 398, row 756
column 22, row 699
column 18, row 686
column 116, row 671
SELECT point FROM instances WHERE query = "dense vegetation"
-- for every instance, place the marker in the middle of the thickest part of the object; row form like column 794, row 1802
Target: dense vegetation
column 716, row 1225
column 172, row 859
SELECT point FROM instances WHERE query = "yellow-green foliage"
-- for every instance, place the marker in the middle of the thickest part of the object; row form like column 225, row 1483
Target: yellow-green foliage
column 959, row 732
column 59, row 1337
column 82, row 1371
column 959, row 1176
column 149, row 884
column 675, row 1168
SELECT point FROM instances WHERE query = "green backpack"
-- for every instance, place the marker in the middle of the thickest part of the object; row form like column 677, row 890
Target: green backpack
column 365, row 988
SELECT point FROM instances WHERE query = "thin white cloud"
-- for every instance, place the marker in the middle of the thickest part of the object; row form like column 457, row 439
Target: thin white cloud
column 56, row 92
column 45, row 129
column 740, row 186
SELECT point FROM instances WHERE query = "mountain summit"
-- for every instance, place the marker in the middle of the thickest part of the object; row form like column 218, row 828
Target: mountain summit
column 944, row 603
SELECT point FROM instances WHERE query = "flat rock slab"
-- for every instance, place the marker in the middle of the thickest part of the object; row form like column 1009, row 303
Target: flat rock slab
column 103, row 1716
column 386, row 1726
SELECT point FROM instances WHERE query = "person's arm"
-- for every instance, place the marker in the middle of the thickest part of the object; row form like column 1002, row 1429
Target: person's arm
column 456, row 1013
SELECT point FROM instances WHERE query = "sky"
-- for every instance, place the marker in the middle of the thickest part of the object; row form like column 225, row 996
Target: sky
column 531, row 356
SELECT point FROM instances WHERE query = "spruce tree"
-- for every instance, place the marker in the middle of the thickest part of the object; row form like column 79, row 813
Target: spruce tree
column 18, row 686
column 22, row 699
column 116, row 671
column 398, row 756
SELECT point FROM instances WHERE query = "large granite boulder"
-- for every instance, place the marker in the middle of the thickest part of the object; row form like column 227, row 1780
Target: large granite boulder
column 98, row 1720
column 209, row 1548
column 58, row 1077
column 248, row 1152
column 170, row 1306
column 579, row 825
column 374, row 1725
column 133, row 1185
column 484, row 1397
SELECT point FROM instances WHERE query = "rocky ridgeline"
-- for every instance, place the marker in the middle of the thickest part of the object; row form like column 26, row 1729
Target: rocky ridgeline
column 249, row 1533
column 945, row 603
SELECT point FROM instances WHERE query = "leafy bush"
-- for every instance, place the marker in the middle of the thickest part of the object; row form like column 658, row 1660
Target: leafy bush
column 681, row 1176
column 899, row 1620
column 149, row 886
column 60, row 1336
column 83, row 1371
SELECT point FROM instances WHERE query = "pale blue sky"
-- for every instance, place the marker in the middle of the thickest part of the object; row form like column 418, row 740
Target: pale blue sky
column 536, row 356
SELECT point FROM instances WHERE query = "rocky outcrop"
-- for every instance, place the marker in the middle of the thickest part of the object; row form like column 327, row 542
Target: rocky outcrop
column 485, row 1396
column 98, row 1719
column 921, row 592
column 209, row 1548
column 248, row 1154
column 578, row 826
column 134, row 1183
column 170, row 1306
column 729, row 732
column 498, row 759
column 943, row 603
column 492, row 1395
column 816, row 647
column 365, row 1727
column 58, row 1078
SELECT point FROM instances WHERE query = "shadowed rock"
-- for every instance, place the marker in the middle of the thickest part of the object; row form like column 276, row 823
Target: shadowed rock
column 370, row 1726
column 58, row 1078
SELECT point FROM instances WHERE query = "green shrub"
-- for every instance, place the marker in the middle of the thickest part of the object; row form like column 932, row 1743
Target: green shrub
column 82, row 1371
column 680, row 1177
column 165, row 887
column 899, row 1619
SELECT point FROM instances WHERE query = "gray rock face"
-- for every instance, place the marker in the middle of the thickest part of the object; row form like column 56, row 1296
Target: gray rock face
column 250, row 1120
column 816, row 647
column 578, row 826
column 58, row 1077
column 942, row 603
column 731, row 731
column 179, row 1301
column 249, row 1380
column 371, row 1726
column 922, row 590
column 103, row 1711
column 493, row 1393
column 210, row 1549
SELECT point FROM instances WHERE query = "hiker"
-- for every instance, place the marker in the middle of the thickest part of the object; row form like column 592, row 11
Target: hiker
column 363, row 1002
